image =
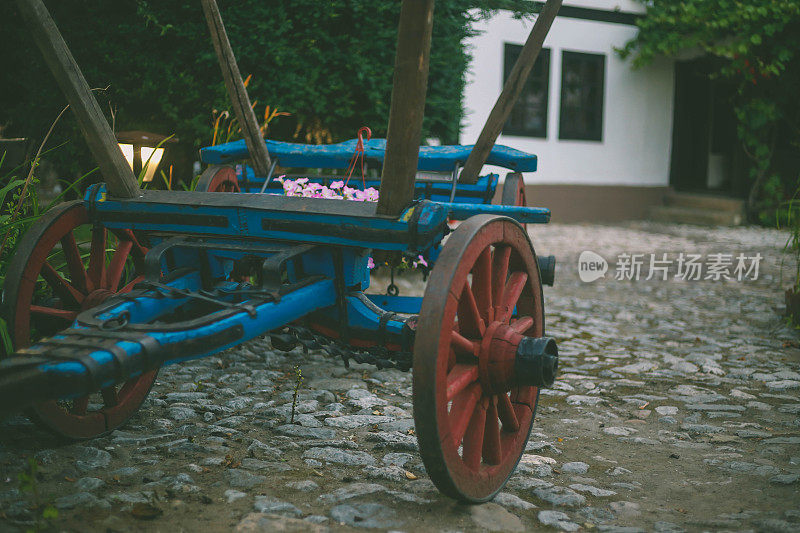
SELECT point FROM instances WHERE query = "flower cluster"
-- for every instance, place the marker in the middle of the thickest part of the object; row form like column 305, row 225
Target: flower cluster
column 418, row 262
column 405, row 263
column 337, row 190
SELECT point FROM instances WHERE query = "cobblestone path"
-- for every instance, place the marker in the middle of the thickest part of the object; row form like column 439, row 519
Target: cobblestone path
column 677, row 408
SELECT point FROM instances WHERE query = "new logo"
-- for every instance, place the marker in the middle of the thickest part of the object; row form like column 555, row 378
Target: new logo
column 591, row 266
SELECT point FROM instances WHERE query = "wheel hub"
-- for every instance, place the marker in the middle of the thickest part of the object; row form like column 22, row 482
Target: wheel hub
column 496, row 357
column 509, row 359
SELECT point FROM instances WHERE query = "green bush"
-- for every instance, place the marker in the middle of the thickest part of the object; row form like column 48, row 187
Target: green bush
column 327, row 62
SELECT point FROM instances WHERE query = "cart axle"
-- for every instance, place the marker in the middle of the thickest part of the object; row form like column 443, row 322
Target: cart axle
column 536, row 361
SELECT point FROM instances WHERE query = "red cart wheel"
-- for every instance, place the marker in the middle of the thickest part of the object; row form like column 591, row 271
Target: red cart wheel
column 514, row 192
column 218, row 178
column 53, row 276
column 471, row 416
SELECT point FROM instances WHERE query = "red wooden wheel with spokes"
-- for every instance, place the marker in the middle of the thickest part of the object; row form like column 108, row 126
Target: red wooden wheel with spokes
column 218, row 178
column 514, row 192
column 64, row 265
column 472, row 417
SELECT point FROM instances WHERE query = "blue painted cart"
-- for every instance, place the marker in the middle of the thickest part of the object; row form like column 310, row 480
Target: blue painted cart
column 104, row 291
column 171, row 291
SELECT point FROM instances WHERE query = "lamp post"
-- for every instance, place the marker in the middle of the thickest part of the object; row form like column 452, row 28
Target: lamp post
column 143, row 150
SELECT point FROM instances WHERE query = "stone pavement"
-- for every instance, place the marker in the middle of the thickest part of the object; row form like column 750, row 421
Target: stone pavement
column 677, row 408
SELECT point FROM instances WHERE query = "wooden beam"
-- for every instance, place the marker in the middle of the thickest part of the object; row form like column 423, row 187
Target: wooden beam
column 410, row 84
column 116, row 172
column 511, row 91
column 236, row 90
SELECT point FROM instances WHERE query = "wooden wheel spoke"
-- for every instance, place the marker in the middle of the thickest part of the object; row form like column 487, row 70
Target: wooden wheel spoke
column 500, row 260
column 452, row 359
column 514, row 287
column 137, row 250
column 506, row 413
column 482, row 284
column 461, row 412
column 522, row 324
column 523, row 396
column 97, row 257
column 474, row 439
column 129, row 287
column 492, row 452
column 64, row 314
column 79, row 406
column 463, row 345
column 117, row 265
column 72, row 256
column 61, row 287
column 459, row 378
column 110, row 397
column 469, row 318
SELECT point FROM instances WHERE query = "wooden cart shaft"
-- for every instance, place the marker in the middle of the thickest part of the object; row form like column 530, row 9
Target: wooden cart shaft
column 237, row 92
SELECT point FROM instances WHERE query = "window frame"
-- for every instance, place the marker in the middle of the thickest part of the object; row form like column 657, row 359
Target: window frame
column 595, row 135
column 541, row 133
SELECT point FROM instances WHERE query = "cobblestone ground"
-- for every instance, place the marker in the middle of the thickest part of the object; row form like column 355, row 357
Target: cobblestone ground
column 676, row 409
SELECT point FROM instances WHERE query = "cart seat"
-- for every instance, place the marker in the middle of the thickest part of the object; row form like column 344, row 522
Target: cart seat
column 431, row 158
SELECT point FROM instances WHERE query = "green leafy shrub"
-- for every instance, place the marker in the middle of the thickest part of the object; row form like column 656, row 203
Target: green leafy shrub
column 19, row 210
column 44, row 513
column 327, row 62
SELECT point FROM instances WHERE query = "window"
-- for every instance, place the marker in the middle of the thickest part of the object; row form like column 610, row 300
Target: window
column 528, row 118
column 582, row 88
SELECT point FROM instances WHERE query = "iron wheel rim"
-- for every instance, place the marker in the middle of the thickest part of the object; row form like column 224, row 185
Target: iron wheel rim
column 74, row 286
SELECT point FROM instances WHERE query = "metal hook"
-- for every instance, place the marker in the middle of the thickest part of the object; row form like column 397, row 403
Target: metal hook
column 392, row 289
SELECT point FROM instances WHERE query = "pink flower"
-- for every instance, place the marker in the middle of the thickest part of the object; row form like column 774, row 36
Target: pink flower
column 370, row 263
column 327, row 193
column 419, row 261
column 289, row 187
column 337, row 190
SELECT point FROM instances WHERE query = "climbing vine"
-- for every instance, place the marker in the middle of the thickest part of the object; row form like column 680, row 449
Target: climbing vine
column 755, row 47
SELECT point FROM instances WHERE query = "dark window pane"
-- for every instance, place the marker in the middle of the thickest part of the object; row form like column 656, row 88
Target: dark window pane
column 582, row 88
column 528, row 118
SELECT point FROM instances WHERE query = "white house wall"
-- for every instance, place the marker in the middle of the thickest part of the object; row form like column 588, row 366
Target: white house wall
column 638, row 104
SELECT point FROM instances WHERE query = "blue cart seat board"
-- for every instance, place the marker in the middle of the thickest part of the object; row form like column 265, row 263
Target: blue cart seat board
column 431, row 158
